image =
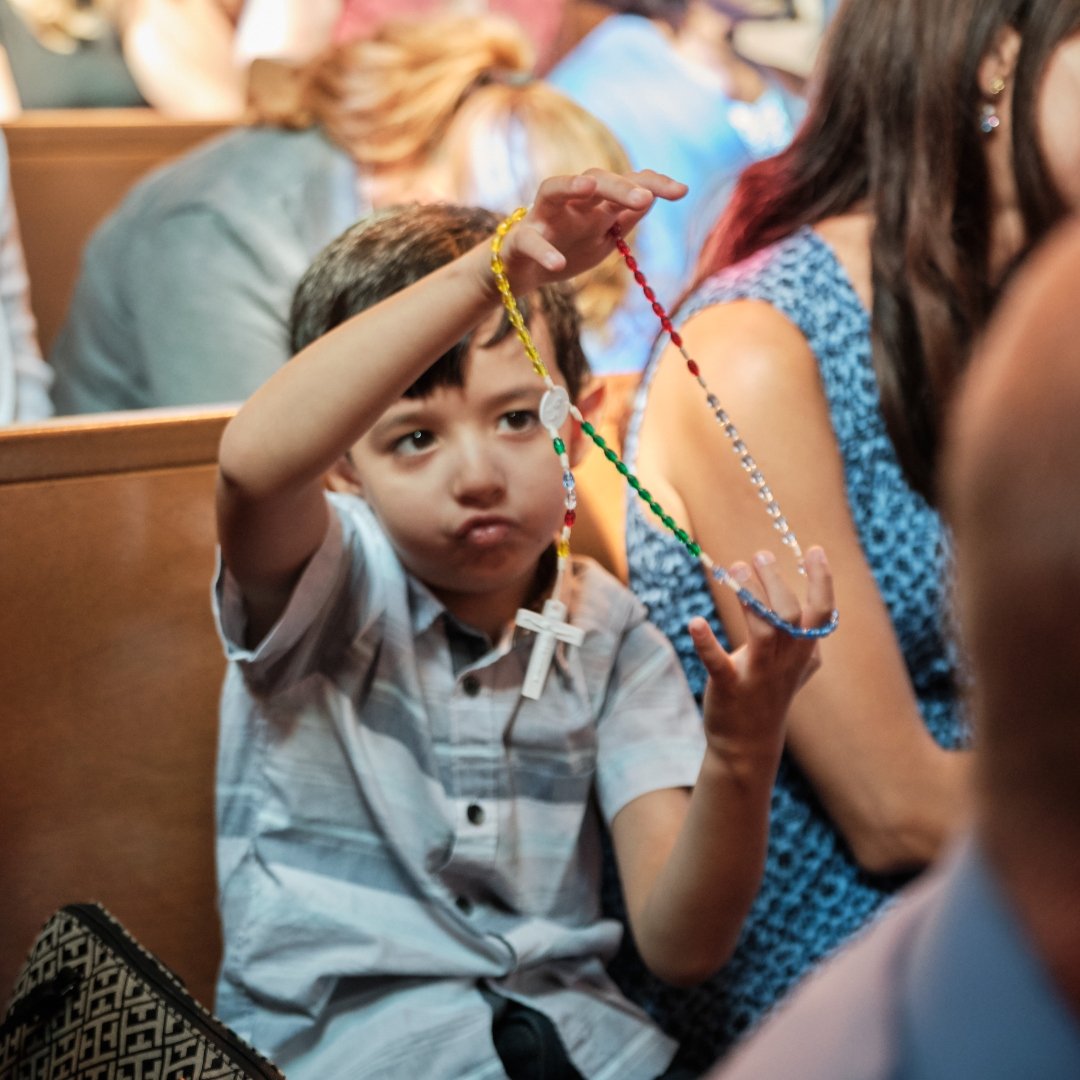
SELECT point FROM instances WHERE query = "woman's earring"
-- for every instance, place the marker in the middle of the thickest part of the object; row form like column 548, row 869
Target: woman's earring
column 990, row 119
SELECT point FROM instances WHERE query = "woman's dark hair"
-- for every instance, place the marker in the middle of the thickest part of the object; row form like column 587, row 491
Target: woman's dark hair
column 893, row 122
column 392, row 248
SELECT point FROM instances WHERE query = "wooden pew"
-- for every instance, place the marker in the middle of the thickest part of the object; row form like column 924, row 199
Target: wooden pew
column 111, row 672
column 109, row 681
column 69, row 168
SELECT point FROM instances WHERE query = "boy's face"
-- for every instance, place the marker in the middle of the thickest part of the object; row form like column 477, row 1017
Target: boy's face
column 466, row 483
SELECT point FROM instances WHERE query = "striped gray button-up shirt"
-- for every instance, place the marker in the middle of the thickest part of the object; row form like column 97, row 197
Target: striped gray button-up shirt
column 398, row 828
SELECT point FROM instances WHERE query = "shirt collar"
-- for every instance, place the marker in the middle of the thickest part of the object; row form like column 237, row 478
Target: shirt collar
column 425, row 609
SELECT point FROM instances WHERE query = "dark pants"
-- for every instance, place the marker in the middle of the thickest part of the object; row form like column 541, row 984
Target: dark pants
column 530, row 1047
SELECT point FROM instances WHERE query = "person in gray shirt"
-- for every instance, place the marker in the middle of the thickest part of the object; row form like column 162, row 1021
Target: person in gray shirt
column 184, row 291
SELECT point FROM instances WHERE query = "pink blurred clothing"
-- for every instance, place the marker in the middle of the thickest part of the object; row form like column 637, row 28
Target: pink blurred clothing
column 540, row 20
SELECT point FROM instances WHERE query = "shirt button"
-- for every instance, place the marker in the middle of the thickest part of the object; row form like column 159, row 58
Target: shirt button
column 471, row 685
column 464, row 905
column 475, row 814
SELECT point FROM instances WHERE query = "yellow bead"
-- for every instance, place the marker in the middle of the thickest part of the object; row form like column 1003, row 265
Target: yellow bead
column 562, row 548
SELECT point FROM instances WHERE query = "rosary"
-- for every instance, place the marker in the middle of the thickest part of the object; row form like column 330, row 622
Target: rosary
column 551, row 626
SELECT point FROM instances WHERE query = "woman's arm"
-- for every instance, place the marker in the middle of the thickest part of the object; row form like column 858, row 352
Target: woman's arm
column 894, row 794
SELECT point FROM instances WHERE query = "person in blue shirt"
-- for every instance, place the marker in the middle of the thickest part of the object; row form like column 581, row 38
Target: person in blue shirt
column 670, row 110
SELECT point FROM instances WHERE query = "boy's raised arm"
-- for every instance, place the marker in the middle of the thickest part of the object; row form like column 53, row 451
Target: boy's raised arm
column 691, row 862
column 274, row 454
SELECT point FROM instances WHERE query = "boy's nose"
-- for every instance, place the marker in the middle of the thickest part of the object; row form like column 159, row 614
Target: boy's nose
column 479, row 479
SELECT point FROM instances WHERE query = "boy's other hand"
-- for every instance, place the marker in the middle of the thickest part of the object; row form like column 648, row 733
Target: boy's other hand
column 566, row 231
column 750, row 689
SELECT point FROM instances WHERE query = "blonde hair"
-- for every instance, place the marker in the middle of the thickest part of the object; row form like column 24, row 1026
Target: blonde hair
column 456, row 92
column 506, row 138
column 389, row 99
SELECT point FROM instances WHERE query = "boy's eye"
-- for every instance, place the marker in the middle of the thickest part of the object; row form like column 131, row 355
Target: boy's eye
column 416, row 442
column 519, row 420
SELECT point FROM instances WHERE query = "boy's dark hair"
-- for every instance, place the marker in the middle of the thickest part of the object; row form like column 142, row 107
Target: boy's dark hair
column 392, row 248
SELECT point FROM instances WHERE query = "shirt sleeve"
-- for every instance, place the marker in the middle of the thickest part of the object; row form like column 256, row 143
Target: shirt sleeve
column 650, row 731
column 337, row 596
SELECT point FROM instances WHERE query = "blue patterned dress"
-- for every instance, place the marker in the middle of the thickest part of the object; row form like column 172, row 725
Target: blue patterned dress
column 814, row 895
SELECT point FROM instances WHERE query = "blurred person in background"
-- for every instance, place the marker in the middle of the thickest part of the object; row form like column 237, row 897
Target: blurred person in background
column 24, row 376
column 662, row 75
column 184, row 291
column 175, row 56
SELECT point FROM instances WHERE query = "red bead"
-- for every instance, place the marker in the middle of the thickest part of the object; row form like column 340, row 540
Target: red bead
column 676, row 340
column 569, row 518
column 665, row 322
column 631, row 262
column 658, row 310
column 694, row 370
column 649, row 294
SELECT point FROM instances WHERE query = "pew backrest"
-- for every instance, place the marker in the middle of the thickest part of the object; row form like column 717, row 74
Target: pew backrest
column 109, row 681
column 69, row 168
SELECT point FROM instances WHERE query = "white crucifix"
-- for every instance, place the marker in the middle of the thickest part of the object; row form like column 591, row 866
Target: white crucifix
column 550, row 626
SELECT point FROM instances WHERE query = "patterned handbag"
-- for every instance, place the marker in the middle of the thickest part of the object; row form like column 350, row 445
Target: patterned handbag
column 92, row 1004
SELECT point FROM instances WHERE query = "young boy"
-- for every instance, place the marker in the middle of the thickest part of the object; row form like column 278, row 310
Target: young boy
column 408, row 847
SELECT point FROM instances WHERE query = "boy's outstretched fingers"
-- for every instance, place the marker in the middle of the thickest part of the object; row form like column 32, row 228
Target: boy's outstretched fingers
column 775, row 592
column 531, row 244
column 717, row 661
column 820, row 601
column 660, row 184
column 567, row 229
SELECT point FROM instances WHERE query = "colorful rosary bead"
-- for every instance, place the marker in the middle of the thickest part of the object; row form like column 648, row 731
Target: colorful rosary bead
column 548, row 413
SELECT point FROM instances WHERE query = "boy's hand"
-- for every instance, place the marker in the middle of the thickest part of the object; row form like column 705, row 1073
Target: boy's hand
column 750, row 690
column 566, row 230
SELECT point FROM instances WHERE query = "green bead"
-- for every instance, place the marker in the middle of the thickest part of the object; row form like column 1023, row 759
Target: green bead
column 588, row 429
column 668, row 521
column 610, row 454
column 681, row 536
column 560, row 446
column 622, row 467
column 645, row 494
column 634, row 482
column 694, row 549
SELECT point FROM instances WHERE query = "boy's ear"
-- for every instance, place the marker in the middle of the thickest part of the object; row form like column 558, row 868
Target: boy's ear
column 590, row 403
column 343, row 478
